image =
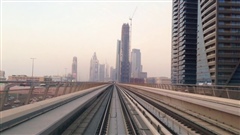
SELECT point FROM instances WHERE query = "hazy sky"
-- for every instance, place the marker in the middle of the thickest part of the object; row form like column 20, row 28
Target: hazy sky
column 55, row 32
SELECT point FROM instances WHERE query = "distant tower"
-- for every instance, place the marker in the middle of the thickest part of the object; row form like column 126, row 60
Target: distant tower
column 125, row 53
column 74, row 69
column 107, row 72
column 94, row 68
column 118, row 61
column 112, row 74
column 136, row 66
column 101, row 72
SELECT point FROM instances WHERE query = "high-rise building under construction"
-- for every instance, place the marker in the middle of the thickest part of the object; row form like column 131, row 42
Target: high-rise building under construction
column 125, row 55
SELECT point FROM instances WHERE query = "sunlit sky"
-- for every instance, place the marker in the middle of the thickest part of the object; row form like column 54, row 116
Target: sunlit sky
column 54, row 32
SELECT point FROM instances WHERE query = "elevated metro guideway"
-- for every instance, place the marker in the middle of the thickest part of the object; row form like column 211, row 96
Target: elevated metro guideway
column 125, row 109
column 17, row 93
column 223, row 91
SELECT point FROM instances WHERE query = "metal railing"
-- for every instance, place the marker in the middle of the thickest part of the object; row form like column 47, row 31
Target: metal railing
column 230, row 92
column 19, row 93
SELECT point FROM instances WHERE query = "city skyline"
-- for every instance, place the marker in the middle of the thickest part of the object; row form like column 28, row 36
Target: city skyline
column 55, row 32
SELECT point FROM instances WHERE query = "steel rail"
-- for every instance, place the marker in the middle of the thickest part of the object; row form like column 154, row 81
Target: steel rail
column 105, row 117
column 36, row 113
column 83, row 116
column 194, row 126
column 221, row 126
column 129, row 121
column 151, row 122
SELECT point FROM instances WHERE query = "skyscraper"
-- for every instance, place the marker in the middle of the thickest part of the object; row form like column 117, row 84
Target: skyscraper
column 136, row 66
column 184, row 40
column 107, row 73
column 118, row 61
column 101, row 72
column 125, row 53
column 74, row 69
column 203, row 75
column 93, row 77
column 219, row 42
column 112, row 74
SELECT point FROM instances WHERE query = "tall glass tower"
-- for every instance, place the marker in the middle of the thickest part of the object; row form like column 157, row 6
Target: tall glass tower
column 184, row 41
column 219, row 42
column 125, row 55
column 203, row 76
column 136, row 66
column 118, row 62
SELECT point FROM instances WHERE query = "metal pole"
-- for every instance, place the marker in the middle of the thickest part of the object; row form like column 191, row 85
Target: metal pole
column 32, row 66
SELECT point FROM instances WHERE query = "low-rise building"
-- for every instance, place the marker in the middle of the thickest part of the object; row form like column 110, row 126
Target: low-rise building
column 57, row 78
column 136, row 80
column 158, row 80
column 25, row 78
column 142, row 75
column 2, row 75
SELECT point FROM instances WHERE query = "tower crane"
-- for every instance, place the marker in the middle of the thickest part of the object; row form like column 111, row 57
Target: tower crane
column 130, row 37
column 130, row 18
column 130, row 32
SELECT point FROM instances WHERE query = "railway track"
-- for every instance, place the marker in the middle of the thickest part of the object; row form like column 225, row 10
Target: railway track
column 192, row 124
column 114, row 112
column 88, row 121
column 110, row 109
column 104, row 110
column 50, row 116
column 111, row 113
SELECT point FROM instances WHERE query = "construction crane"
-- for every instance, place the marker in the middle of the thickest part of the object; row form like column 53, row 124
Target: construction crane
column 130, row 38
column 130, row 18
column 130, row 32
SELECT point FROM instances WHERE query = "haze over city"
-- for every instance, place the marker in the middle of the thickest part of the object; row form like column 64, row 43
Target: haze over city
column 54, row 32
column 109, row 67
